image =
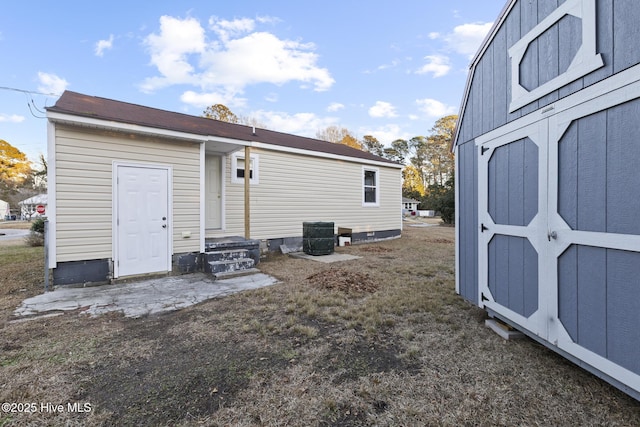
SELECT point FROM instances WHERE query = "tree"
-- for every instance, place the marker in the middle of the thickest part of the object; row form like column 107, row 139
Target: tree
column 412, row 184
column 442, row 198
column 339, row 135
column 439, row 158
column 220, row 112
column 372, row 145
column 15, row 168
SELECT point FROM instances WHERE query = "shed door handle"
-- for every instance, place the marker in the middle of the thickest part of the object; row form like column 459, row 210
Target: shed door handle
column 552, row 235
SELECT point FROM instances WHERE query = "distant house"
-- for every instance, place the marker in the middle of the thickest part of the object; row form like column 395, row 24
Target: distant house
column 409, row 205
column 4, row 209
column 29, row 207
column 137, row 190
column 547, row 179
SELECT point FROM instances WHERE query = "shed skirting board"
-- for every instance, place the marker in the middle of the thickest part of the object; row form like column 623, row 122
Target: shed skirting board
column 581, row 363
column 96, row 271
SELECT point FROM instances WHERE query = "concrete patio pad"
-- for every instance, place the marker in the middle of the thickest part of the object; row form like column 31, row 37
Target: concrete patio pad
column 141, row 298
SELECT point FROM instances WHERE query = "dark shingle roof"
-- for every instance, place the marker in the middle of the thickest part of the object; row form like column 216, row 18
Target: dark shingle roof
column 77, row 104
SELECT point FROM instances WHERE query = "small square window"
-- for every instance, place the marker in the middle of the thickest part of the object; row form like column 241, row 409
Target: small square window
column 238, row 166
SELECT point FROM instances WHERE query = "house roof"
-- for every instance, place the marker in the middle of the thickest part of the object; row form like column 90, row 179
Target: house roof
column 408, row 200
column 77, row 104
column 38, row 199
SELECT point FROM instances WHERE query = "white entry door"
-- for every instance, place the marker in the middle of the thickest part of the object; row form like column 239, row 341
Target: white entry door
column 142, row 221
column 213, row 192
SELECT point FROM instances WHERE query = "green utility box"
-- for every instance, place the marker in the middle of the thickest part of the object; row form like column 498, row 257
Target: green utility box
column 318, row 238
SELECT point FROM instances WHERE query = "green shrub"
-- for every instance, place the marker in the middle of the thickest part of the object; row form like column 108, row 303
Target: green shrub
column 38, row 226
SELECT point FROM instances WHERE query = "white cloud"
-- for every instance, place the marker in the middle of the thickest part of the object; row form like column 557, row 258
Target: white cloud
column 304, row 124
column 434, row 109
column 103, row 45
column 170, row 50
column 465, row 39
column 13, row 118
column 335, row 106
column 234, row 57
column 206, row 99
column 438, row 65
column 51, row 84
column 382, row 109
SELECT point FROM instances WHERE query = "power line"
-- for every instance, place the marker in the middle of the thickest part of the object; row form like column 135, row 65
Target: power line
column 31, row 92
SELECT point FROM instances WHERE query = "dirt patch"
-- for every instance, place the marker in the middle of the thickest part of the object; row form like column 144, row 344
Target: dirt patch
column 342, row 280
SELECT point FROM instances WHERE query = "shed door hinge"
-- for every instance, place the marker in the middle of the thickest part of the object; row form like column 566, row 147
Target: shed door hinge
column 483, row 149
column 483, row 228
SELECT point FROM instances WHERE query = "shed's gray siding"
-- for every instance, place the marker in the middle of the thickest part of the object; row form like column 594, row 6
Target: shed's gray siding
column 598, row 288
column 467, row 221
column 489, row 97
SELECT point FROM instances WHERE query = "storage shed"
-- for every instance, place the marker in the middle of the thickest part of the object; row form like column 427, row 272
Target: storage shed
column 548, row 179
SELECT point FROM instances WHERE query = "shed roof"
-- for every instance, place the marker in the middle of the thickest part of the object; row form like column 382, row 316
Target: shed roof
column 476, row 58
column 78, row 104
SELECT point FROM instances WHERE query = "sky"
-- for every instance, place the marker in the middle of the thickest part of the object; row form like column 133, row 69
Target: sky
column 384, row 68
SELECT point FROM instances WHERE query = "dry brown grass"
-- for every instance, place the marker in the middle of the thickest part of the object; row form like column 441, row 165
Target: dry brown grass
column 410, row 353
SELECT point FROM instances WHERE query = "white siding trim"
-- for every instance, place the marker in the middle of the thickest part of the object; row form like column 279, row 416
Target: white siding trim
column 457, row 217
column 585, row 61
column 51, row 183
column 114, row 215
column 273, row 147
column 202, row 196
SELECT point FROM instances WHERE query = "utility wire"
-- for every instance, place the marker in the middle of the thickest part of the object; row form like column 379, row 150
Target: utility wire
column 31, row 92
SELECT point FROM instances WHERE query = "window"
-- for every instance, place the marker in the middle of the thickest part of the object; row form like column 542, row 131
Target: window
column 370, row 195
column 238, row 167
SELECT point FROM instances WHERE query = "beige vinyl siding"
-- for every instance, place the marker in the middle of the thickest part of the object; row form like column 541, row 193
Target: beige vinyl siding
column 84, row 171
column 294, row 188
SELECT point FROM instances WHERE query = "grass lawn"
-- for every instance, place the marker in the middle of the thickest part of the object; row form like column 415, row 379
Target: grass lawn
column 382, row 340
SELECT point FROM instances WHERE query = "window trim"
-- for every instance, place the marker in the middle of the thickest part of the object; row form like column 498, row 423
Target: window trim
column 255, row 160
column 377, row 187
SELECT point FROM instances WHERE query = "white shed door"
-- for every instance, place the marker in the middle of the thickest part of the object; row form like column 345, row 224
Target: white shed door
column 142, row 220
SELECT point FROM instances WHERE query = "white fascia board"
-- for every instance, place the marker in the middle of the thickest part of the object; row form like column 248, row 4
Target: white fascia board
column 146, row 130
column 312, row 153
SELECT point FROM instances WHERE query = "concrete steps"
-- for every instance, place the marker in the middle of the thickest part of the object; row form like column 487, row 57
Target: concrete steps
column 231, row 257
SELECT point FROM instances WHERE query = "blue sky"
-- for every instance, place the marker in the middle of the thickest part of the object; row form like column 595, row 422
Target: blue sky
column 381, row 68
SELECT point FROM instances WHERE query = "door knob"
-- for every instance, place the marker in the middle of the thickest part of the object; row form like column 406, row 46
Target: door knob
column 164, row 218
column 164, row 225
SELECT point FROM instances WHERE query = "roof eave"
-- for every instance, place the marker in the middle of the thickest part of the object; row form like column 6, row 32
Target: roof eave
column 474, row 62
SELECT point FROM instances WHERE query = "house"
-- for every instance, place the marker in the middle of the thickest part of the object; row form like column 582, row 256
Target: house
column 409, row 205
column 137, row 190
column 548, row 237
column 4, row 209
column 33, row 207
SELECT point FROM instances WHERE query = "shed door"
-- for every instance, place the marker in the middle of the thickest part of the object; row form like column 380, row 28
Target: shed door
column 559, row 238
column 142, row 220
column 512, row 177
column 594, row 206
